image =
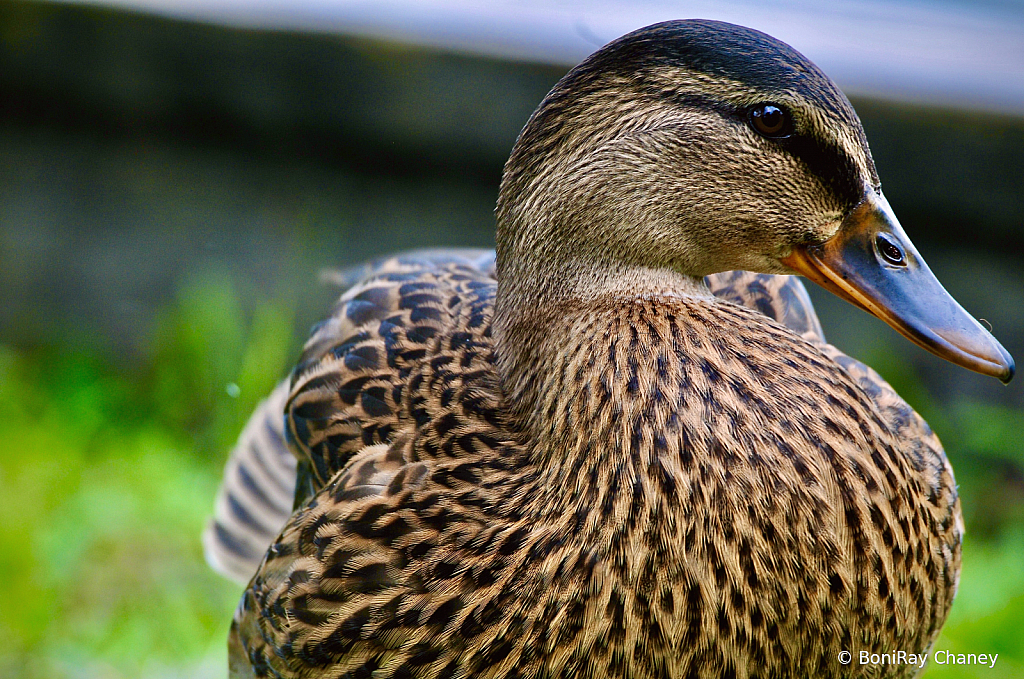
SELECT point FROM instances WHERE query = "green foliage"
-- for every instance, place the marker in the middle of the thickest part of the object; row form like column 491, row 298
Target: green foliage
column 210, row 364
column 988, row 615
column 108, row 477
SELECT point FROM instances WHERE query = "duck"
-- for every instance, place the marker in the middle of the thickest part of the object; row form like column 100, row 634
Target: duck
column 618, row 445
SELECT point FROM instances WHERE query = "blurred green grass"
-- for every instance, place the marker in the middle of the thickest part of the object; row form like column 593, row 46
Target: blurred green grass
column 108, row 477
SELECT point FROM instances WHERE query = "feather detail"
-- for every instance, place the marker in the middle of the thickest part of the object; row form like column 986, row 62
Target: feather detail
column 255, row 497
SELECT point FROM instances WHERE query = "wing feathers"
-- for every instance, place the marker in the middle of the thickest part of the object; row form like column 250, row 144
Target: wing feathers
column 255, row 497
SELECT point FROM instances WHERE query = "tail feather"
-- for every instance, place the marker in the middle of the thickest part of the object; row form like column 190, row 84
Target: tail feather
column 255, row 497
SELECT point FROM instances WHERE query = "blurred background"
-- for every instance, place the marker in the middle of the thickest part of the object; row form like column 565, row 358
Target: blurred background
column 173, row 175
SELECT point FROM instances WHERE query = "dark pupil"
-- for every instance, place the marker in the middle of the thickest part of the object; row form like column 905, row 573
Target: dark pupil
column 889, row 250
column 771, row 118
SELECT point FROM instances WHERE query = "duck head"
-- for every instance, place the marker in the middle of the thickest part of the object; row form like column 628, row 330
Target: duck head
column 692, row 147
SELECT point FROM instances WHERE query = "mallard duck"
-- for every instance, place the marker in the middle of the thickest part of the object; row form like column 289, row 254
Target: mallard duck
column 620, row 447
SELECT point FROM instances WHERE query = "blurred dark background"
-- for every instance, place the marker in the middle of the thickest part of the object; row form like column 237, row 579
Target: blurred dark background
column 168, row 192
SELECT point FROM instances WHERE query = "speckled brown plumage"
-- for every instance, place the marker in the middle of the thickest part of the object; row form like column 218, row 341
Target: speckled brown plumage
column 583, row 458
column 456, row 550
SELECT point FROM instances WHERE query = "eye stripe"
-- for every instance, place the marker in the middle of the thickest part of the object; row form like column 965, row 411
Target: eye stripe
column 830, row 162
column 826, row 159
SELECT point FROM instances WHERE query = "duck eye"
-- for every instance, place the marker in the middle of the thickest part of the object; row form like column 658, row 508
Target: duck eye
column 771, row 121
column 889, row 250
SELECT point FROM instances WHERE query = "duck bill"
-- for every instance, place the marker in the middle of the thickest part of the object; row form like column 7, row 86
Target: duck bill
column 872, row 264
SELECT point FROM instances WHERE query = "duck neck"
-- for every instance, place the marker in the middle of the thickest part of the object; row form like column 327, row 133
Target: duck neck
column 588, row 378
